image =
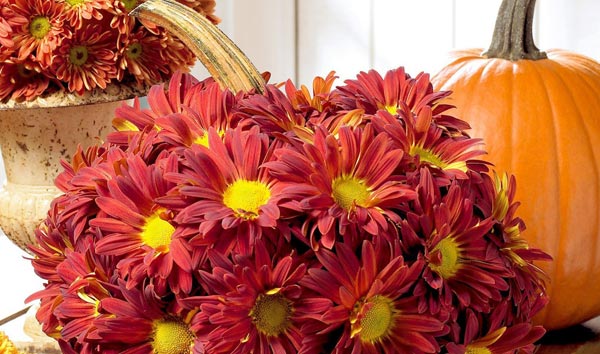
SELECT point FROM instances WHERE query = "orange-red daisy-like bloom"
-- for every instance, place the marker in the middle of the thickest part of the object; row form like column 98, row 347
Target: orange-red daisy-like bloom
column 139, row 230
column 273, row 112
column 78, row 11
column 87, row 60
column 461, row 269
column 235, row 200
column 141, row 323
column 44, row 31
column 50, row 252
column 54, row 242
column 141, row 55
column 312, row 104
column 21, row 81
column 9, row 20
column 84, row 275
column 374, row 306
column 205, row 107
column 489, row 336
column 527, row 285
column 120, row 19
column 205, row 7
column 254, row 304
column 344, row 184
column 397, row 91
column 161, row 101
column 426, row 143
column 177, row 54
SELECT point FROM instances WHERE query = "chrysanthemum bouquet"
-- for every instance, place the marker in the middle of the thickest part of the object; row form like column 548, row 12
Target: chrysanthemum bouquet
column 81, row 45
column 355, row 219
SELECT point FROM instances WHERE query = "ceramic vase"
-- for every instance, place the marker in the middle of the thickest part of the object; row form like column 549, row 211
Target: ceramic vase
column 34, row 137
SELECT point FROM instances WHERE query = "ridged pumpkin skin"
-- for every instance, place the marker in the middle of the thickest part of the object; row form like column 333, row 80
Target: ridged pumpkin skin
column 540, row 120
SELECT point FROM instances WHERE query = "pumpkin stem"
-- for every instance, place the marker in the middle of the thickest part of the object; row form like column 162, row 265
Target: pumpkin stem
column 513, row 33
column 225, row 62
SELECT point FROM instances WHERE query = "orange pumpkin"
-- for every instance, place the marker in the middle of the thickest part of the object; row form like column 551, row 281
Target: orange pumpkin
column 539, row 115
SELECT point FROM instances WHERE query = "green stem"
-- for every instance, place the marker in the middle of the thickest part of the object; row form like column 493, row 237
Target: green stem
column 513, row 33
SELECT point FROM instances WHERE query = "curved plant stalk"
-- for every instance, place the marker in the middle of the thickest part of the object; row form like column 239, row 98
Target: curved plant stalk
column 513, row 32
column 226, row 63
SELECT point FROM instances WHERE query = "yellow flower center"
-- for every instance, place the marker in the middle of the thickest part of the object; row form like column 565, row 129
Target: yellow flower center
column 129, row 4
column 349, row 191
column 477, row 350
column 376, row 323
column 78, row 55
column 432, row 158
column 90, row 300
column 39, row 27
column 171, row 337
column 271, row 313
column 445, row 258
column 74, row 3
column 157, row 232
column 246, row 197
column 134, row 51
column 203, row 139
column 391, row 109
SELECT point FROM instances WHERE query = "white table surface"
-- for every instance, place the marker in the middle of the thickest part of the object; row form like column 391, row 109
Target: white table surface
column 18, row 281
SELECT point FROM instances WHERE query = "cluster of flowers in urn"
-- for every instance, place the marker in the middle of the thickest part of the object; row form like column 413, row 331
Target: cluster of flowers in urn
column 350, row 219
column 49, row 46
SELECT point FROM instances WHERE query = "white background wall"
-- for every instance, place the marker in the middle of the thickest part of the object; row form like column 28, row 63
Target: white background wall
column 299, row 39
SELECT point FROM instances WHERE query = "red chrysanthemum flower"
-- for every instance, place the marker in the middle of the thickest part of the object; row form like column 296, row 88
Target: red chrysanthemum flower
column 129, row 120
column 86, row 61
column 22, row 81
column 273, row 113
column 425, row 143
column 121, row 21
column 205, row 7
column 9, row 20
column 74, row 273
column 177, row 54
column 373, row 301
column 479, row 336
column 254, row 304
column 397, row 91
column 141, row 55
column 139, row 230
column 85, row 277
column 44, row 31
column 78, row 11
column 344, row 184
column 460, row 263
column 141, row 323
column 294, row 116
column 235, row 200
column 303, row 100
column 54, row 242
column 205, row 106
column 528, row 283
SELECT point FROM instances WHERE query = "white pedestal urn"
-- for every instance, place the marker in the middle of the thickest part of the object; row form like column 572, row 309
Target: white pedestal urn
column 34, row 137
